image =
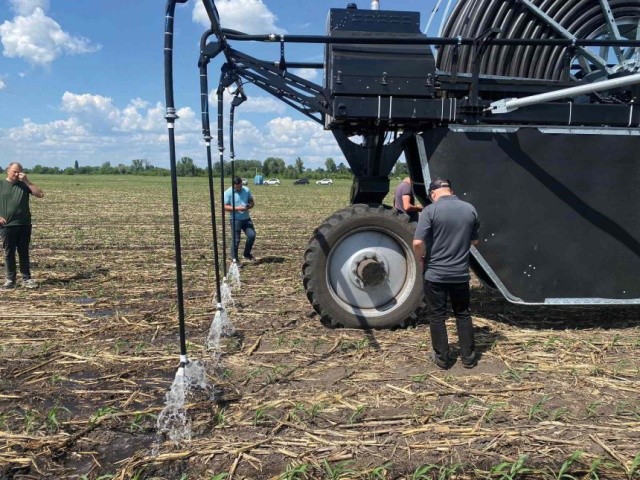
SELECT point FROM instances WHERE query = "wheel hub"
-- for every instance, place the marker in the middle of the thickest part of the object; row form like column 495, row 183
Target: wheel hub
column 368, row 269
column 371, row 272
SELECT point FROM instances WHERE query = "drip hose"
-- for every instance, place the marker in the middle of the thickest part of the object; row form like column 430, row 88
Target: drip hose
column 221, row 150
column 171, row 118
column 233, row 173
column 581, row 19
column 206, row 133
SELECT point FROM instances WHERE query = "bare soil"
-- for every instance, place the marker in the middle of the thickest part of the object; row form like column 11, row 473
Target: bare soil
column 88, row 358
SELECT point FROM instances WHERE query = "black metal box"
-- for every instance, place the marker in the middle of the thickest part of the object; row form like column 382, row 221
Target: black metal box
column 377, row 70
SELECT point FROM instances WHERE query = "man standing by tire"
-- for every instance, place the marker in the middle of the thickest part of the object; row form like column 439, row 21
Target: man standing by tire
column 15, row 224
column 404, row 200
column 451, row 227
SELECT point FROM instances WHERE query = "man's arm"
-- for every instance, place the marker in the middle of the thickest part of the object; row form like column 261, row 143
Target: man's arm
column 238, row 208
column 35, row 190
column 419, row 251
column 475, row 236
column 227, row 203
column 407, row 206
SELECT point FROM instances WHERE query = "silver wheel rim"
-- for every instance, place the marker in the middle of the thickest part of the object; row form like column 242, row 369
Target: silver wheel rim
column 383, row 248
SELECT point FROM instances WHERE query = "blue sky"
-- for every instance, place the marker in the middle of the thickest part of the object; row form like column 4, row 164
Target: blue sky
column 83, row 80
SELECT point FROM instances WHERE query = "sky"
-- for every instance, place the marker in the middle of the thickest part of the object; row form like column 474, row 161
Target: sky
column 83, row 80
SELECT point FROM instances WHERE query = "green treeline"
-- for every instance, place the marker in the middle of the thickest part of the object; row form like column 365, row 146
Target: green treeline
column 185, row 167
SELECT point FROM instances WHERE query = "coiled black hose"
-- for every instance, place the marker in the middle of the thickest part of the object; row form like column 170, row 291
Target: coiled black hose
column 584, row 19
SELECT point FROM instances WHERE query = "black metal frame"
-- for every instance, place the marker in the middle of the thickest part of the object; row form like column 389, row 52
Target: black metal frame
column 461, row 97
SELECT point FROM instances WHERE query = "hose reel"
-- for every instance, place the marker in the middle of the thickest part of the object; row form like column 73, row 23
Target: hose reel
column 544, row 19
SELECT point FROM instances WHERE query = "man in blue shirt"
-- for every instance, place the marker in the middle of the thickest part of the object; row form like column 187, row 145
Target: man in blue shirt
column 450, row 226
column 238, row 206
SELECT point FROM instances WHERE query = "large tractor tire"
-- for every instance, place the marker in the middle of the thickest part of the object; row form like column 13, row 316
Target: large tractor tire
column 359, row 269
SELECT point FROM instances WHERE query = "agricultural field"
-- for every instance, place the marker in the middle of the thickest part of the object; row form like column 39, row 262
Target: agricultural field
column 87, row 359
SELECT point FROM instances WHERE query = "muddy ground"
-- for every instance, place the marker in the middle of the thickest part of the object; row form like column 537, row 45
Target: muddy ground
column 88, row 358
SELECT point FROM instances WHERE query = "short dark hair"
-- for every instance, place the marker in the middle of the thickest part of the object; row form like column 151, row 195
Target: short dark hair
column 237, row 181
column 437, row 183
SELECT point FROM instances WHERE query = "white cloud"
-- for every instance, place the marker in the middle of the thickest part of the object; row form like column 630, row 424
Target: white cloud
column 253, row 104
column 248, row 16
column 288, row 138
column 37, row 38
column 306, row 73
column 100, row 115
column 263, row 105
column 50, row 134
column 96, row 131
column 2, row 83
column 27, row 7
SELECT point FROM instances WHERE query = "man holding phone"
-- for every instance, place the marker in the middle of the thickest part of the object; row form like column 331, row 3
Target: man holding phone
column 15, row 224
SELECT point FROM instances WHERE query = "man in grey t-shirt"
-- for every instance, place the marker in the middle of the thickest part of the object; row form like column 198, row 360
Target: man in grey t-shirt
column 404, row 200
column 450, row 226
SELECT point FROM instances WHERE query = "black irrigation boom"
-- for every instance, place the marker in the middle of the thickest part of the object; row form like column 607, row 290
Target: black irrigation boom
column 529, row 107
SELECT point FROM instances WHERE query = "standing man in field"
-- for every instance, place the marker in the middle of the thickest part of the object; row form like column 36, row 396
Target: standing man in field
column 451, row 227
column 238, row 200
column 404, row 200
column 15, row 224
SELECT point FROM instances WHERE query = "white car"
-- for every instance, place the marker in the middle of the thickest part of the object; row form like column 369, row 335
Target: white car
column 325, row 181
column 271, row 181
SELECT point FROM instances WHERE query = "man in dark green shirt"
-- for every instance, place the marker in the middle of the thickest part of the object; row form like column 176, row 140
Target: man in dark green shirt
column 15, row 224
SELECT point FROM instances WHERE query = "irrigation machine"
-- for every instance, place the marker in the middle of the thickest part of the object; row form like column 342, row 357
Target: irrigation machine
column 528, row 106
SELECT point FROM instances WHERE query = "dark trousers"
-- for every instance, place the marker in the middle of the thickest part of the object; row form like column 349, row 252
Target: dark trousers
column 436, row 296
column 16, row 238
column 245, row 226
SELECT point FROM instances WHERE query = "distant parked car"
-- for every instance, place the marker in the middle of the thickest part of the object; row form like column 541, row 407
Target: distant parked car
column 301, row 181
column 325, row 181
column 271, row 181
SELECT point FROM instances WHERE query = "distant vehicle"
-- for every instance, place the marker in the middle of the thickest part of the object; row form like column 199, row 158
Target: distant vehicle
column 325, row 181
column 245, row 181
column 301, row 181
column 271, row 181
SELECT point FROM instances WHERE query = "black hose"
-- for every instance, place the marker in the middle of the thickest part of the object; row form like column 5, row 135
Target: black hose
column 171, row 118
column 221, row 150
column 206, row 133
column 233, row 185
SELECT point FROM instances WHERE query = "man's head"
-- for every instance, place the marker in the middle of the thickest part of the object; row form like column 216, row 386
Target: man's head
column 237, row 184
column 13, row 172
column 439, row 187
column 406, row 180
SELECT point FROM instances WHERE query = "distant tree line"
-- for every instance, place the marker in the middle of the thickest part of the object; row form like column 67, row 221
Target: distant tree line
column 186, row 167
